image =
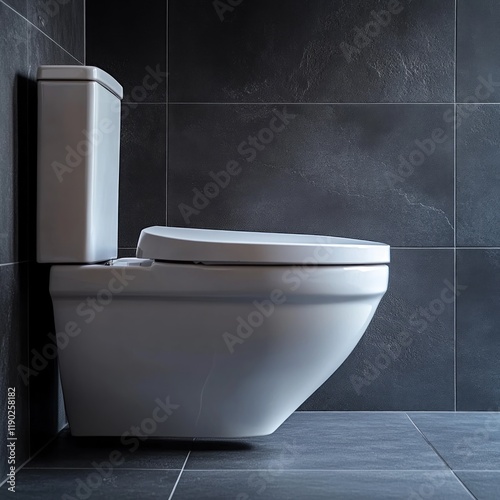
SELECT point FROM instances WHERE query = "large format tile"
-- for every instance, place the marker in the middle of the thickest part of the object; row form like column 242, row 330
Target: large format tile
column 105, row 484
column 44, row 51
column 14, row 354
column 18, row 5
column 328, row 169
column 478, row 177
column 63, row 21
column 477, row 49
column 133, row 453
column 295, row 51
column 478, row 335
column 134, row 50
column 143, row 168
column 485, row 485
column 325, row 441
column 341, row 485
column 13, row 125
column 405, row 360
column 466, row 441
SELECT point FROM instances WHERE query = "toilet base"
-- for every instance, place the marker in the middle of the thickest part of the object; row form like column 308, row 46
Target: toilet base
column 184, row 350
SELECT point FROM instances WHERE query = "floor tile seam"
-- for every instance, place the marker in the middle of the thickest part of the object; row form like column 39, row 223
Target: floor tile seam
column 179, row 476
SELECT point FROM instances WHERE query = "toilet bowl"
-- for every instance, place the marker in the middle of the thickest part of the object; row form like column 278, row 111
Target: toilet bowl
column 205, row 333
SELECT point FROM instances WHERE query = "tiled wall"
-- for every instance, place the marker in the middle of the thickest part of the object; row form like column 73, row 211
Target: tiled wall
column 32, row 32
column 384, row 144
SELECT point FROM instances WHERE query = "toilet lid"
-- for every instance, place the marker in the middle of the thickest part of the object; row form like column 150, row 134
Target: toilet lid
column 211, row 246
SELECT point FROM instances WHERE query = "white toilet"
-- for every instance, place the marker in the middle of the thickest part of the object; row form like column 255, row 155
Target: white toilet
column 207, row 333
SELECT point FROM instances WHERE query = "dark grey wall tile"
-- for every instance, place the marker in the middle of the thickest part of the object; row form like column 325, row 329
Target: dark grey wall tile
column 126, row 252
column 295, row 51
column 44, row 51
column 405, row 360
column 478, row 176
column 334, row 169
column 46, row 403
column 142, row 170
column 478, row 338
column 14, row 353
column 61, row 21
column 13, row 85
column 477, row 50
column 18, row 5
column 22, row 48
column 128, row 40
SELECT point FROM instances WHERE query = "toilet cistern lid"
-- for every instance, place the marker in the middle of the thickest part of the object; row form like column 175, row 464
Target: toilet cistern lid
column 211, row 246
column 80, row 74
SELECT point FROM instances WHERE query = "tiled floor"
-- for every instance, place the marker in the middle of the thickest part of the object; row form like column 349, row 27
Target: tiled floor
column 330, row 455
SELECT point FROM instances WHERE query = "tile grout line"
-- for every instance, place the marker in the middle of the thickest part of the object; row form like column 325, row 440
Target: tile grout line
column 84, row 32
column 398, row 412
column 455, row 216
column 243, row 103
column 93, row 468
column 455, row 261
column 440, row 456
column 28, row 274
column 179, row 476
column 263, row 470
column 166, row 117
column 455, row 42
column 42, row 32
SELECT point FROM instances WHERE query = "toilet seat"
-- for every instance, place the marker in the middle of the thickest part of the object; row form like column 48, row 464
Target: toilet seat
column 211, row 246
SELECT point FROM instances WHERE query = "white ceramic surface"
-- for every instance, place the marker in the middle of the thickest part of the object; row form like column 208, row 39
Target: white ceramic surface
column 78, row 171
column 216, row 246
column 235, row 349
column 181, row 348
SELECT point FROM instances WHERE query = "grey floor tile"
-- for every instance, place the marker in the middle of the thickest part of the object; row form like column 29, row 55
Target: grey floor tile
column 485, row 485
column 105, row 484
column 341, row 485
column 323, row 440
column 467, row 441
column 67, row 451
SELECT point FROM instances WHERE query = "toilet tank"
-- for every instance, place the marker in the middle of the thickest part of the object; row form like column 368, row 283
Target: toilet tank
column 78, row 164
